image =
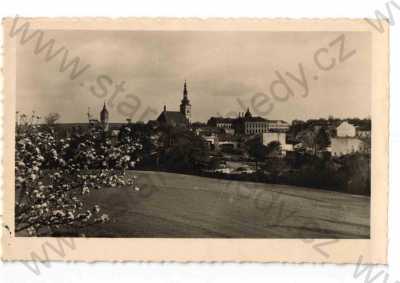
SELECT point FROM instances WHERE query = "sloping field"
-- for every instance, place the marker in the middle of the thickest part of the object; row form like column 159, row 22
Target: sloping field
column 176, row 205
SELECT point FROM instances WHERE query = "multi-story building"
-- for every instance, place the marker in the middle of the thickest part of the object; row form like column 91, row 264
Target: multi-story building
column 220, row 122
column 278, row 126
column 347, row 145
column 250, row 125
column 345, row 129
column 363, row 131
column 350, row 139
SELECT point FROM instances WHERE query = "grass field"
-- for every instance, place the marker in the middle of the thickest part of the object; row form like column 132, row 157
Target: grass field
column 176, row 205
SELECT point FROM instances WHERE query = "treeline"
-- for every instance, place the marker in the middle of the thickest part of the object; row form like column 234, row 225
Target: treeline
column 180, row 150
column 349, row 174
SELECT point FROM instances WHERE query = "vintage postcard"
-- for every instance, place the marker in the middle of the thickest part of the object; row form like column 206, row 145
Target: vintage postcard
column 195, row 140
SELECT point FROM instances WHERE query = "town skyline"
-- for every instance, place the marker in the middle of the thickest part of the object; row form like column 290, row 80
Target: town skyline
column 92, row 113
column 95, row 114
column 224, row 71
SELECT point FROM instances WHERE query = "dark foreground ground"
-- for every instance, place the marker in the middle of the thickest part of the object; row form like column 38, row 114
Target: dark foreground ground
column 176, row 205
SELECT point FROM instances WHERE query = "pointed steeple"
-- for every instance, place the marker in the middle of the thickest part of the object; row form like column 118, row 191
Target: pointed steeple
column 104, row 114
column 185, row 93
column 185, row 99
column 185, row 107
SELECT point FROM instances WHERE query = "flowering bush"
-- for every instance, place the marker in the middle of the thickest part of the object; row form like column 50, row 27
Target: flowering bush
column 53, row 175
column 95, row 149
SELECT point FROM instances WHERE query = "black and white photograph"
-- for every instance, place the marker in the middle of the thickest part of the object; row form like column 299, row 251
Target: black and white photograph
column 199, row 141
column 192, row 134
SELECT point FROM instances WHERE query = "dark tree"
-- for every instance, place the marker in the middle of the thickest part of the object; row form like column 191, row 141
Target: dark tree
column 256, row 150
column 181, row 149
column 273, row 149
column 322, row 140
column 314, row 139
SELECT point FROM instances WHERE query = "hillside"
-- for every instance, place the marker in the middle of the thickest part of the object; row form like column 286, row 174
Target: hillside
column 176, row 205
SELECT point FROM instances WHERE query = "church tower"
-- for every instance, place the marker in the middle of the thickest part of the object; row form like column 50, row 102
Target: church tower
column 185, row 107
column 104, row 117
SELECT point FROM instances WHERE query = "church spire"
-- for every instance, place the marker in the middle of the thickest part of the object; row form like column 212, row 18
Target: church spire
column 184, row 90
column 185, row 107
column 104, row 117
column 185, row 99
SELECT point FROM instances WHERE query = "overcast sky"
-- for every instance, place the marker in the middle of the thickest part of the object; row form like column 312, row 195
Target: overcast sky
column 220, row 68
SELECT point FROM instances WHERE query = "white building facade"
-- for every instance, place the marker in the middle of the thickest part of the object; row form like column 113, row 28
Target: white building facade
column 346, row 145
column 345, row 129
column 280, row 137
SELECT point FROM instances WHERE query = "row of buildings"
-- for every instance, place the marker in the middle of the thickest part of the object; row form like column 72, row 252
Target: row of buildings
column 245, row 123
column 224, row 133
column 350, row 138
column 248, row 125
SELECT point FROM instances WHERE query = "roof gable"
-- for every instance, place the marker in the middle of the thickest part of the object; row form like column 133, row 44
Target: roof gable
column 172, row 118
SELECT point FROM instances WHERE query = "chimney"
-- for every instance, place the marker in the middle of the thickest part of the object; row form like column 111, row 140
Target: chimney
column 165, row 108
